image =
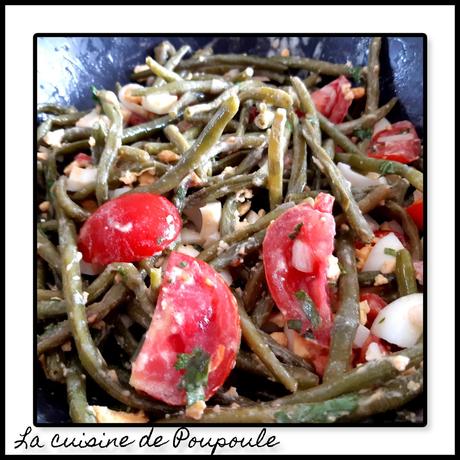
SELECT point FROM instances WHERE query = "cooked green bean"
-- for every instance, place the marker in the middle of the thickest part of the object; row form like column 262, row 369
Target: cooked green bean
column 276, row 148
column 47, row 251
column 176, row 138
column 126, row 152
column 188, row 98
column 48, row 226
column 405, row 273
column 339, row 186
column 202, row 118
column 254, row 287
column 76, row 134
column 368, row 120
column 262, row 310
column 199, row 151
column 298, row 178
column 65, row 202
column 346, row 319
column 40, row 274
column 373, row 74
column 161, row 71
column 50, row 309
column 72, row 147
column 272, row 96
column 153, row 148
column 229, row 215
column 99, row 134
column 79, row 410
column 124, row 338
column 180, row 87
column 409, row 227
column 145, row 130
column 193, row 110
column 261, row 349
column 49, row 294
column 368, row 278
column 366, row 164
column 54, row 109
column 54, row 366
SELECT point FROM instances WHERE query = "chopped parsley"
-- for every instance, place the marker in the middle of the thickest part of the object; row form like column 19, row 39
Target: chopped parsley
column 387, row 167
column 296, row 231
column 363, row 133
column 94, row 92
column 183, row 264
column 195, row 378
column 390, row 252
column 355, row 73
column 295, row 324
column 382, row 320
column 309, row 308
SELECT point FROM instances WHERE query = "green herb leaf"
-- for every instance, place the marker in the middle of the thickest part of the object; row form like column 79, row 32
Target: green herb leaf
column 387, row 167
column 94, row 92
column 355, row 73
column 309, row 308
column 390, row 252
column 195, row 378
column 296, row 231
column 382, row 320
column 183, row 264
column 363, row 133
column 322, row 412
column 295, row 324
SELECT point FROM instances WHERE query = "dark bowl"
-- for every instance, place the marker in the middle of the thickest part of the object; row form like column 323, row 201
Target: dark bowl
column 67, row 67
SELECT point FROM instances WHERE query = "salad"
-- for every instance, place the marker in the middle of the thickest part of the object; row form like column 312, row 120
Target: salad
column 231, row 239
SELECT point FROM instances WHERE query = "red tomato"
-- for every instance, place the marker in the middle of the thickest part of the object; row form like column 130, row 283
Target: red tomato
column 253, row 112
column 371, row 339
column 136, row 119
column 315, row 229
column 334, row 99
column 415, row 210
column 83, row 159
column 375, row 302
column 399, row 142
column 129, row 228
column 195, row 309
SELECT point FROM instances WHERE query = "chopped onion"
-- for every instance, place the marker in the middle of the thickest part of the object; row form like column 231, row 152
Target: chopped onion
column 394, row 138
column 54, row 138
column 159, row 103
column 401, row 321
column 301, row 256
column 190, row 236
column 333, row 269
column 381, row 125
column 89, row 120
column 373, row 352
column 123, row 95
column 210, row 220
column 377, row 260
column 80, row 178
column 362, row 334
column 359, row 181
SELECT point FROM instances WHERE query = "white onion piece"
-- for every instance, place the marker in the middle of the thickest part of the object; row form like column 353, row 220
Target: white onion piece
column 381, row 125
column 188, row 250
column 362, row 334
column 252, row 217
column 301, row 256
column 210, row 220
column 136, row 108
column 91, row 118
column 373, row 352
column 357, row 180
column 90, row 269
column 396, row 138
column 377, row 258
column 115, row 193
column 159, row 103
column 333, row 268
column 54, row 138
column 190, row 236
column 401, row 321
column 80, row 178
column 227, row 277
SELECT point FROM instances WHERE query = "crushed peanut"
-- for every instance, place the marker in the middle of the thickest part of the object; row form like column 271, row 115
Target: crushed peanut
column 196, row 410
column 364, row 309
column 380, row 280
column 168, row 156
column 44, row 206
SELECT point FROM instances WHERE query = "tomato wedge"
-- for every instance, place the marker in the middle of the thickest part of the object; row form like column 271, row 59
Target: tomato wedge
column 129, row 228
column 384, row 349
column 399, row 142
column 334, row 100
column 195, row 310
column 415, row 210
column 296, row 250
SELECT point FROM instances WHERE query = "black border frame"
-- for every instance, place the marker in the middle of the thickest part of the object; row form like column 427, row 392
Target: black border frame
column 36, row 369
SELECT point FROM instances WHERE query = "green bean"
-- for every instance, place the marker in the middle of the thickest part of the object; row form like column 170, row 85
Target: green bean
column 193, row 110
column 124, row 338
column 405, row 273
column 163, row 50
column 177, row 139
column 54, row 367
column 229, row 215
column 68, row 206
column 40, row 274
column 145, row 130
column 254, row 286
column 372, row 200
column 238, row 250
column 129, row 153
column 368, row 120
column 339, row 138
column 111, row 107
column 138, row 315
column 180, row 87
column 48, row 226
column 99, row 134
column 276, row 149
column 232, row 160
column 260, row 348
column 239, row 235
column 409, row 227
column 180, row 196
column 203, row 118
column 271, row 96
column 79, row 410
column 50, row 309
column 373, row 73
column 67, row 119
column 76, row 134
column 262, row 310
column 47, row 251
column 88, row 353
column 339, row 187
column 366, row 164
column 153, row 148
column 56, row 334
column 399, row 187
column 54, row 109
column 312, row 80
column 188, row 98
column 233, row 60
column 49, row 294
column 329, row 147
column 44, row 129
column 368, row 278
column 250, row 363
column 161, row 71
column 199, row 152
column 298, row 179
column 72, row 147
column 317, row 66
column 346, row 319
column 243, row 119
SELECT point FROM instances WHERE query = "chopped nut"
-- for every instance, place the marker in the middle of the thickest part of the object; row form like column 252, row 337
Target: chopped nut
column 388, row 266
column 413, row 386
column 380, row 280
column 362, row 254
column 168, row 156
column 285, row 52
column 146, row 178
column 105, row 415
column 67, row 346
column 358, row 92
column 44, row 206
column 364, row 309
column 42, row 156
column 280, row 337
column 196, row 410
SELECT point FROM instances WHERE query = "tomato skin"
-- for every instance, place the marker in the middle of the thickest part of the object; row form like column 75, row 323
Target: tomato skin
column 371, row 339
column 415, row 210
column 375, row 302
column 283, row 279
column 334, row 100
column 404, row 150
column 129, row 228
column 195, row 308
